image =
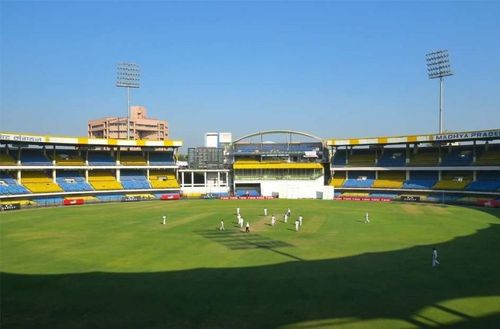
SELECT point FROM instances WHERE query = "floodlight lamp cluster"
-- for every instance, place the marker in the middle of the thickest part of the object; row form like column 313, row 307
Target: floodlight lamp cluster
column 128, row 75
column 438, row 64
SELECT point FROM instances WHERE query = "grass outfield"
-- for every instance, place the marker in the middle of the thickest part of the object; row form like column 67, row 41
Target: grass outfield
column 116, row 266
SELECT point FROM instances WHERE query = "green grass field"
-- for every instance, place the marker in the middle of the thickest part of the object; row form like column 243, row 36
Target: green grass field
column 117, row 266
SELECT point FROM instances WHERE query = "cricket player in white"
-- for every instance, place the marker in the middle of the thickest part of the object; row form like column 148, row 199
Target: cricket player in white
column 265, row 211
column 221, row 228
column 435, row 261
column 242, row 221
column 273, row 220
column 297, row 225
column 286, row 218
column 288, row 212
column 367, row 218
column 239, row 218
column 238, row 210
column 300, row 220
column 247, row 229
column 164, row 220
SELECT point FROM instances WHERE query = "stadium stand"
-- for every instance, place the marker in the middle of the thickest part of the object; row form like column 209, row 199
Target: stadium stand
column 356, row 194
column 132, row 159
column 110, row 197
column 72, row 181
column 39, row 182
column 247, row 192
column 489, row 158
column 68, row 158
column 49, row 201
column 425, row 157
column 486, row 181
column 457, row 156
column 163, row 179
column 34, row 157
column 134, row 179
column 103, row 180
column 360, row 179
column 339, row 159
column 161, row 159
column 391, row 196
column 421, row 180
column 7, row 160
column 9, row 186
column 338, row 179
column 100, row 159
column 453, row 181
column 392, row 158
column 361, row 158
column 443, row 198
column 389, row 179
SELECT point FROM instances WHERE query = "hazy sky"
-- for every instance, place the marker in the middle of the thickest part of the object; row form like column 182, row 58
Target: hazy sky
column 333, row 69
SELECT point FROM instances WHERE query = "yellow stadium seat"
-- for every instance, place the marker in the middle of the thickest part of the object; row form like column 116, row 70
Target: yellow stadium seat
column 490, row 158
column 425, row 158
column 387, row 183
column 132, row 159
column 163, row 179
column 361, row 160
column 7, row 160
column 39, row 182
column 337, row 182
column 104, row 180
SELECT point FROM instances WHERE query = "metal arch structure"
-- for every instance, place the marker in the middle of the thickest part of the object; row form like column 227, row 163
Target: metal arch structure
column 268, row 132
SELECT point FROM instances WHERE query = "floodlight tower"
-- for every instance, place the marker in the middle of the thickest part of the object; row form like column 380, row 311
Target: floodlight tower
column 438, row 66
column 128, row 77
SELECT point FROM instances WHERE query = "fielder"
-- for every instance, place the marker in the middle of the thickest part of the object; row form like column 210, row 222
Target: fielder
column 221, row 228
column 435, row 261
column 238, row 210
column 273, row 220
column 265, row 211
column 247, row 229
column 286, row 218
column 164, row 220
column 297, row 225
column 242, row 221
column 288, row 212
column 367, row 218
column 300, row 220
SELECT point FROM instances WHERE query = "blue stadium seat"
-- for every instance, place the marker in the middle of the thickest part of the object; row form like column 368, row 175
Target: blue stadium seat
column 484, row 185
column 109, row 197
column 247, row 192
column 100, row 159
column 457, row 157
column 72, row 181
column 9, row 186
column 421, row 180
column 384, row 195
column 161, row 159
column 34, row 157
column 134, row 179
column 49, row 201
column 359, row 182
column 339, row 158
column 392, row 158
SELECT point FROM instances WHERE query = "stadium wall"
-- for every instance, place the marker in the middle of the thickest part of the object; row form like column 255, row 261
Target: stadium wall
column 294, row 189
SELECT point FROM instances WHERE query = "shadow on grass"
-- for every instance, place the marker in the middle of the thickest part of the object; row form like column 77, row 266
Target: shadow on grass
column 394, row 285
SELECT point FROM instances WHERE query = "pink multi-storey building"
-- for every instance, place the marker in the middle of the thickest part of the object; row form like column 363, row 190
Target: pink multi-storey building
column 141, row 127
